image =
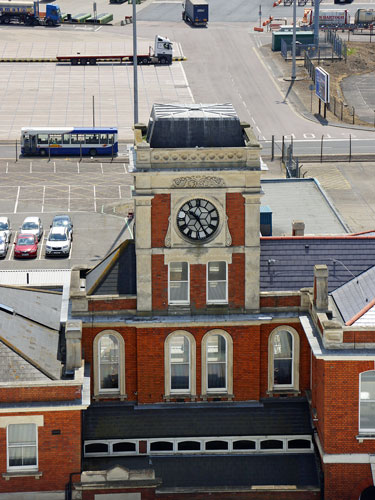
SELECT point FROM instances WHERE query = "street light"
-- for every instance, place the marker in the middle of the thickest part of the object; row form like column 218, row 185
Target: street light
column 135, row 62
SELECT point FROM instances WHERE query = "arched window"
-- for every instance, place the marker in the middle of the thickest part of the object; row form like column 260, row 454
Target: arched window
column 217, row 362
column 283, row 356
column 180, row 364
column 367, row 401
column 109, row 364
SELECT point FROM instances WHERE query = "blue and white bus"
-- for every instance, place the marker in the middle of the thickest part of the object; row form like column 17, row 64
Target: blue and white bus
column 92, row 141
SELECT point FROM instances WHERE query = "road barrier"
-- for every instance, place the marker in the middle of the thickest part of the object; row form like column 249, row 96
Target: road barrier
column 54, row 60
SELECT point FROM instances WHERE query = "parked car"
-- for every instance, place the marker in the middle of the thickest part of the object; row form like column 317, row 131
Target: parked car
column 32, row 225
column 5, row 227
column 26, row 245
column 63, row 221
column 3, row 244
column 58, row 242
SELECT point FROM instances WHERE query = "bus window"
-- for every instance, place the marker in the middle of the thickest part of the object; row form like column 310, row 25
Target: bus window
column 103, row 139
column 92, row 139
column 55, row 139
column 43, row 139
column 77, row 139
column 110, row 139
column 66, row 139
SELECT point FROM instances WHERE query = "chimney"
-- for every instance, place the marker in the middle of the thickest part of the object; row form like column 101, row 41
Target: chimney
column 298, row 228
column 321, row 287
column 73, row 337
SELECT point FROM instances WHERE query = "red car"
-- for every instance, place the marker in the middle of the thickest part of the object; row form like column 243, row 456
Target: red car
column 26, row 246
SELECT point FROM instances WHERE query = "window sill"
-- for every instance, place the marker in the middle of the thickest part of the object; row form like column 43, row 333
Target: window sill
column 217, row 395
column 284, row 392
column 363, row 437
column 183, row 395
column 101, row 396
column 25, row 473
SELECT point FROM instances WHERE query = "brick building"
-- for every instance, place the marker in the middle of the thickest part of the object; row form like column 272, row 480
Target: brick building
column 222, row 363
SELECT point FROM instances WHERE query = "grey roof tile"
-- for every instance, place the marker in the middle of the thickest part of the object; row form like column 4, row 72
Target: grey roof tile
column 13, row 368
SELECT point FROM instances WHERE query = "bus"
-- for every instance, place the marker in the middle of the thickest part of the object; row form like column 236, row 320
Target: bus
column 68, row 141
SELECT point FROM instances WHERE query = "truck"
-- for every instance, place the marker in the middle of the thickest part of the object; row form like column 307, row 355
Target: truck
column 195, row 12
column 327, row 17
column 364, row 17
column 160, row 54
column 27, row 12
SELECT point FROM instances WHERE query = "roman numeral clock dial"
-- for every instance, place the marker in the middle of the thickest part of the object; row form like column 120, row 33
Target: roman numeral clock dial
column 198, row 219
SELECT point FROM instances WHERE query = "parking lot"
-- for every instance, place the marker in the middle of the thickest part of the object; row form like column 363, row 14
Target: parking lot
column 97, row 197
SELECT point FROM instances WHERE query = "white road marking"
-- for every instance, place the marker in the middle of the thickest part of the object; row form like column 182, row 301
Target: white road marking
column 77, row 166
column 44, row 194
column 126, row 171
column 13, row 245
column 119, row 192
column 94, row 198
column 6, row 170
column 101, row 167
column 31, row 167
column 69, row 199
column 17, row 198
column 54, row 167
column 41, row 248
column 186, row 81
column 309, row 136
column 258, row 129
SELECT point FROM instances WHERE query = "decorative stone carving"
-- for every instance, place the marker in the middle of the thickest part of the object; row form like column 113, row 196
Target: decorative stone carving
column 198, row 181
column 167, row 240
column 228, row 237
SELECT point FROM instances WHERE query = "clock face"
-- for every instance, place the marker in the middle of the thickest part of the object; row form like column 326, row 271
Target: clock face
column 198, row 219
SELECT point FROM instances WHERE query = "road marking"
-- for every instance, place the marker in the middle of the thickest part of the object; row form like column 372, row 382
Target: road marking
column 119, row 192
column 70, row 251
column 6, row 170
column 17, row 198
column 31, row 167
column 309, row 136
column 126, row 171
column 54, row 167
column 186, row 81
column 12, row 248
column 41, row 249
column 69, row 199
column 94, row 198
column 44, row 194
column 77, row 166
column 329, row 177
column 101, row 167
column 258, row 129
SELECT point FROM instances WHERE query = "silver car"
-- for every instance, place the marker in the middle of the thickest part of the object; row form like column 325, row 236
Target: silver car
column 5, row 227
column 32, row 225
column 4, row 244
column 59, row 242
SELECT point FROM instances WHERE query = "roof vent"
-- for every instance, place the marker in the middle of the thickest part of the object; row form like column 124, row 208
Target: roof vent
column 298, row 228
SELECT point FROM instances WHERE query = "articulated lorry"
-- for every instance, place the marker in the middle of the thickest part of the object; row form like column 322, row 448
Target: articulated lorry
column 160, row 54
column 196, row 12
column 27, row 12
column 327, row 17
column 364, row 17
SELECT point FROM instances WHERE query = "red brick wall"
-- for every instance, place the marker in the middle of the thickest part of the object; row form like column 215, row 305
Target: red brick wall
column 236, row 281
column 235, row 209
column 58, row 455
column 198, row 276
column 339, row 410
column 112, row 304
column 357, row 337
column 346, row 481
column 55, row 393
column 159, row 283
column 129, row 335
column 160, row 211
column 280, row 301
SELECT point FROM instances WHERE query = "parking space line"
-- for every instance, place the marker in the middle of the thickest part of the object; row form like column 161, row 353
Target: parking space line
column 69, row 198
column 54, row 167
column 17, row 198
column 126, row 171
column 44, row 195
column 12, row 247
column 6, row 170
column 101, row 166
column 119, row 192
column 70, row 252
column 31, row 167
column 77, row 166
column 94, row 198
column 41, row 248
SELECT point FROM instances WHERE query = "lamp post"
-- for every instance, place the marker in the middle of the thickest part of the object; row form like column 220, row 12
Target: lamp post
column 294, row 39
column 135, row 62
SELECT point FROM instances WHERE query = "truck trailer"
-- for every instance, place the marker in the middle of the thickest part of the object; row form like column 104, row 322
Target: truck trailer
column 27, row 12
column 160, row 54
column 327, row 17
column 196, row 12
column 364, row 17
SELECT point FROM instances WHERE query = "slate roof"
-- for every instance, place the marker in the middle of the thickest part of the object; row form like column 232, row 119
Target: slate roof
column 355, row 295
column 194, row 125
column 116, row 274
column 288, row 263
column 13, row 368
column 218, row 471
column 118, row 421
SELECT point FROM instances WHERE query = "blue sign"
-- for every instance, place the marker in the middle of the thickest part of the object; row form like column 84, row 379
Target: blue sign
column 322, row 84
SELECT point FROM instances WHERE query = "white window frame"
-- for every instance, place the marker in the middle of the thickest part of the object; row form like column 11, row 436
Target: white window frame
column 187, row 300
column 179, row 391
column 98, row 391
column 23, row 467
column 217, row 389
column 192, row 368
column 366, row 430
column 281, row 386
column 295, row 359
column 224, row 301
column 229, row 364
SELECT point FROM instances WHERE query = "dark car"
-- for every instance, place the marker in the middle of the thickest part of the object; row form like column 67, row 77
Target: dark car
column 63, row 221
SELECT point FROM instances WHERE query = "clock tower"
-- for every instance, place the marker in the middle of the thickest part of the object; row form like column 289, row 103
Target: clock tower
column 197, row 198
